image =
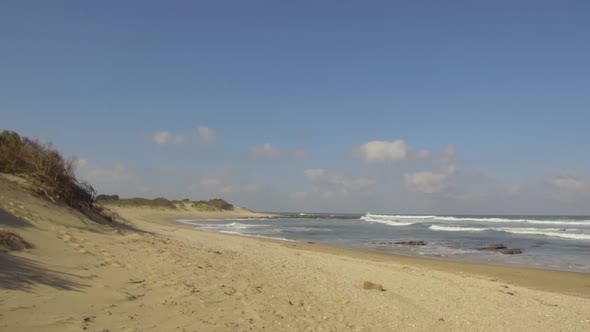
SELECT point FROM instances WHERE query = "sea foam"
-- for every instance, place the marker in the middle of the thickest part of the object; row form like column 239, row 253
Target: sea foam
column 457, row 229
column 397, row 220
column 384, row 219
column 551, row 232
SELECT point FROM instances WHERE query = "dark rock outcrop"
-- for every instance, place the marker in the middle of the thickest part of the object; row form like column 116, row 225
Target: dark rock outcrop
column 412, row 243
column 501, row 249
column 494, row 247
column 513, row 251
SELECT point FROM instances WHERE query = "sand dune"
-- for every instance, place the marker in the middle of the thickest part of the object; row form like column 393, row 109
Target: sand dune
column 162, row 277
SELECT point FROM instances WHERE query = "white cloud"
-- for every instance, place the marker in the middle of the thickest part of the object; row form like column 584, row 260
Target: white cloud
column 426, row 182
column 433, row 182
column 265, row 151
column 556, row 193
column 116, row 173
column 568, row 182
column 206, row 135
column 165, row 137
column 270, row 151
column 382, row 150
column 162, row 137
column 448, row 155
column 81, row 164
column 328, row 183
column 396, row 150
column 225, row 183
column 108, row 179
column 314, row 173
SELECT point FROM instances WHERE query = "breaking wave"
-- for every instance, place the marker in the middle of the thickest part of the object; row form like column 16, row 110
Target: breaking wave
column 551, row 232
column 384, row 219
column 457, row 229
column 548, row 232
column 398, row 220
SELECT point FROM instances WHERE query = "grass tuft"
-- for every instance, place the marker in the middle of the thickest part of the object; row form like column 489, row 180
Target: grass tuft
column 12, row 242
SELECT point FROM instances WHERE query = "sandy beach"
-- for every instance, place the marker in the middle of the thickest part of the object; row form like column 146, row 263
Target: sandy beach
column 298, row 166
column 161, row 276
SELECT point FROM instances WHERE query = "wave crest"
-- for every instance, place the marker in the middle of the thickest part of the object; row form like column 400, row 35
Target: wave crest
column 550, row 232
column 412, row 219
column 384, row 219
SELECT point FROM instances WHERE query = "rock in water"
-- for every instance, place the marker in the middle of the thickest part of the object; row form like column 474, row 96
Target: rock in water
column 493, row 247
column 412, row 243
column 513, row 251
column 502, row 249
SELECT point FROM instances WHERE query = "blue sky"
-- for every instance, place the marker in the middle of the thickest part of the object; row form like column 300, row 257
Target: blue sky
column 382, row 106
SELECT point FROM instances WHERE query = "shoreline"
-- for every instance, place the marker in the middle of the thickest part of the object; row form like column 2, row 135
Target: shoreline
column 551, row 280
column 158, row 275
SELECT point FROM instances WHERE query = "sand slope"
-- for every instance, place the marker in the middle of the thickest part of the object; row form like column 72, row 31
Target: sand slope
column 164, row 278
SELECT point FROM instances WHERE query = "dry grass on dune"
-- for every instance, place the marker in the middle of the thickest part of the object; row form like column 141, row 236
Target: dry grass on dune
column 51, row 175
column 12, row 242
column 45, row 166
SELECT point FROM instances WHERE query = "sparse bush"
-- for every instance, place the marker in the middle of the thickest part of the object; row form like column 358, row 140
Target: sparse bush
column 107, row 197
column 220, row 204
column 49, row 171
column 216, row 204
column 12, row 241
column 203, row 206
column 156, row 202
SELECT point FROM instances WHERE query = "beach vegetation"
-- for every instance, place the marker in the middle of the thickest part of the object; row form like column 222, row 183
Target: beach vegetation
column 203, row 206
column 10, row 241
column 216, row 204
column 220, row 204
column 107, row 197
column 51, row 174
column 114, row 200
column 53, row 177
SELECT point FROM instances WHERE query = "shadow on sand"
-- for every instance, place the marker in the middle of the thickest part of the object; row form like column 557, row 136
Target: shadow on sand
column 19, row 273
column 7, row 219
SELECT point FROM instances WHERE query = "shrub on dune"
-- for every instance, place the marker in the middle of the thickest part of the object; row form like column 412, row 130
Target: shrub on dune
column 12, row 242
column 52, row 175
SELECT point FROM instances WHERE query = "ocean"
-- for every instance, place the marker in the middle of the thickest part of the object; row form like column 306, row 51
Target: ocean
column 548, row 242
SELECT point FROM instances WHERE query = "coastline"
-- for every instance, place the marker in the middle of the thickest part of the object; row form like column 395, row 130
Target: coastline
column 155, row 275
column 558, row 281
